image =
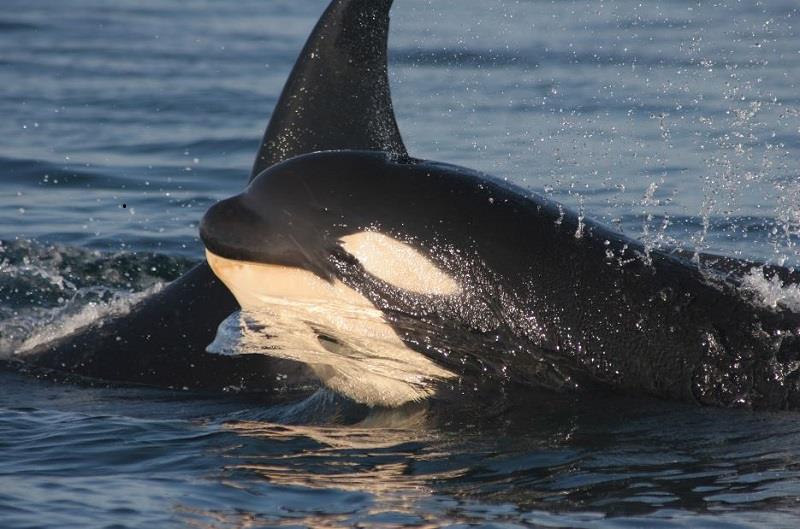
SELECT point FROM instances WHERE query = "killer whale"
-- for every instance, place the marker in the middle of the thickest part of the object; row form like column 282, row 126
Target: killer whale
column 532, row 293
column 163, row 340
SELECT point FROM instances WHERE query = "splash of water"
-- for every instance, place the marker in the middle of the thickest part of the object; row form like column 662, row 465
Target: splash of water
column 772, row 292
column 56, row 323
column 49, row 291
column 351, row 348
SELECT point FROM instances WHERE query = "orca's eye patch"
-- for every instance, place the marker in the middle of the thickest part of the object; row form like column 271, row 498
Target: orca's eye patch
column 399, row 264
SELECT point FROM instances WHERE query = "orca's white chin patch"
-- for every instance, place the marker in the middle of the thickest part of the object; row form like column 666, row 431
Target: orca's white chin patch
column 291, row 313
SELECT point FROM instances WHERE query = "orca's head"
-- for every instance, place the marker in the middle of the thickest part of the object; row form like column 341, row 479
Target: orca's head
column 269, row 238
column 280, row 233
column 276, row 247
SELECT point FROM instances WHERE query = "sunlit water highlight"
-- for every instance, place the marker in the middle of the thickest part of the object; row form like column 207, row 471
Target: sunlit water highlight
column 677, row 122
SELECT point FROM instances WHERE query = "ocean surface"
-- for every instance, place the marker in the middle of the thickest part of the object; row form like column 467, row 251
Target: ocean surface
column 677, row 122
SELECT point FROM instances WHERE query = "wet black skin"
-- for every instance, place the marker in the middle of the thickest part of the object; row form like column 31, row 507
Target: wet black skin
column 542, row 307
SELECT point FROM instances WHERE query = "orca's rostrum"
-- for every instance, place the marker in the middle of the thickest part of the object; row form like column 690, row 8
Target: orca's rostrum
column 392, row 279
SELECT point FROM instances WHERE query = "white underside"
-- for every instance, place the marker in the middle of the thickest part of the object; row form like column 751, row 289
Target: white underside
column 291, row 313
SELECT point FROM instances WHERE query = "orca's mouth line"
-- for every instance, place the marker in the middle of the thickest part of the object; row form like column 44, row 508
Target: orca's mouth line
column 213, row 257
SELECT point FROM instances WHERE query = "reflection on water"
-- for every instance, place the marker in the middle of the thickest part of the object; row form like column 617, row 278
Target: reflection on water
column 145, row 458
column 377, row 456
column 562, row 463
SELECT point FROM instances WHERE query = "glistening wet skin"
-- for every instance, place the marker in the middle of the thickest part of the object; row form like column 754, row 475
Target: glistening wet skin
column 672, row 123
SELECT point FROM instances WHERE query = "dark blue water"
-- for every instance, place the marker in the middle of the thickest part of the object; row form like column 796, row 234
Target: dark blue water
column 677, row 122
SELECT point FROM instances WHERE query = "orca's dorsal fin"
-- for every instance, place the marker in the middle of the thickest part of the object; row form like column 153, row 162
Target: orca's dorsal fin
column 337, row 96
